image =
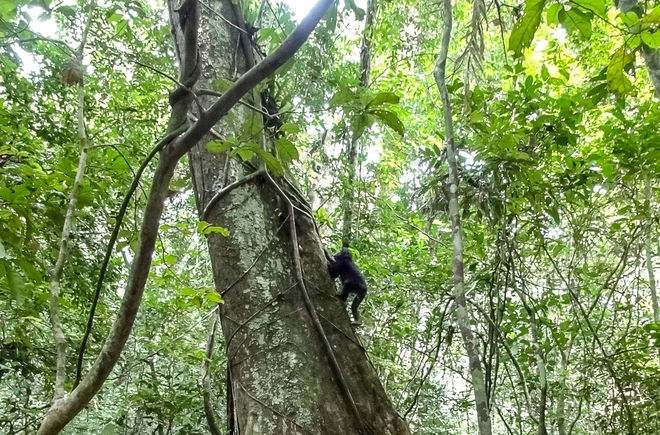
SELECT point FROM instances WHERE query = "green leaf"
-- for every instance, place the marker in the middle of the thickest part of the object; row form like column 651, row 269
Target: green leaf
column 207, row 228
column 15, row 282
column 290, row 128
column 29, row 270
column 215, row 297
column 342, row 97
column 245, row 153
column 390, row 119
column 652, row 40
column 220, row 146
column 67, row 11
column 630, row 18
column 523, row 31
column 188, row 291
column 170, row 259
column 552, row 17
column 359, row 124
column 8, row 10
column 286, row 150
column 617, row 80
column 384, row 98
column 271, row 162
column 577, row 23
column 652, row 17
column 598, row 7
column 554, row 214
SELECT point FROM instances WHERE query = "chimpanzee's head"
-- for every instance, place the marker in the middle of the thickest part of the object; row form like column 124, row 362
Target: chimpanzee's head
column 343, row 255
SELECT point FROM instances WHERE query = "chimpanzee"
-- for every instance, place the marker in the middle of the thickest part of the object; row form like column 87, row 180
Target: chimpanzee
column 351, row 277
column 271, row 114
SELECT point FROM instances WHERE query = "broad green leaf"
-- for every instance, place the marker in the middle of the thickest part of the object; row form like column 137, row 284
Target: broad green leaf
column 652, row 40
column 552, row 17
column 14, row 280
column 554, row 214
column 384, row 98
column 617, row 80
column 342, row 97
column 359, row 124
column 245, row 153
column 390, row 119
column 170, row 259
column 630, row 18
column 215, row 297
column 652, row 17
column 290, row 128
column 286, row 150
column 523, row 31
column 30, row 270
column 577, row 23
column 207, row 228
column 271, row 162
column 219, row 146
column 599, row 7
column 67, row 11
column 187, row 291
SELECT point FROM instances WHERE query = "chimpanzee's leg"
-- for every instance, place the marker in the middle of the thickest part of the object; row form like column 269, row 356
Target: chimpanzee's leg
column 354, row 306
column 344, row 292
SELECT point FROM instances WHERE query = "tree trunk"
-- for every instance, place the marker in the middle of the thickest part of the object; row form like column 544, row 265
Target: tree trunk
column 462, row 315
column 293, row 367
column 649, row 252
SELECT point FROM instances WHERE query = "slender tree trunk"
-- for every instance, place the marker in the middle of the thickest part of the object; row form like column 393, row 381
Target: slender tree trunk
column 69, row 219
column 206, row 377
column 352, row 146
column 294, row 362
column 462, row 315
column 541, row 369
column 649, row 253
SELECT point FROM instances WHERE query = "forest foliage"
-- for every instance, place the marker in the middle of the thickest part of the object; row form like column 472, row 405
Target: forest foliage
column 556, row 113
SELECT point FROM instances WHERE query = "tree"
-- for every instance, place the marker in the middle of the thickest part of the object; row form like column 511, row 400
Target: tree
column 293, row 360
column 176, row 143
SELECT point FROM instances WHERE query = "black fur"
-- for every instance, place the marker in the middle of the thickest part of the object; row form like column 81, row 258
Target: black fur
column 351, row 277
column 271, row 115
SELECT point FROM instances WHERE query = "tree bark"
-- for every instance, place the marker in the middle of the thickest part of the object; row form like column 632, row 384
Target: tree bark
column 281, row 375
column 462, row 315
column 649, row 252
column 69, row 220
column 179, row 139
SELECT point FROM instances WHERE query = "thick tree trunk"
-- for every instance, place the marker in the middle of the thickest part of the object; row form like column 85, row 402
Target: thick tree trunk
column 281, row 374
